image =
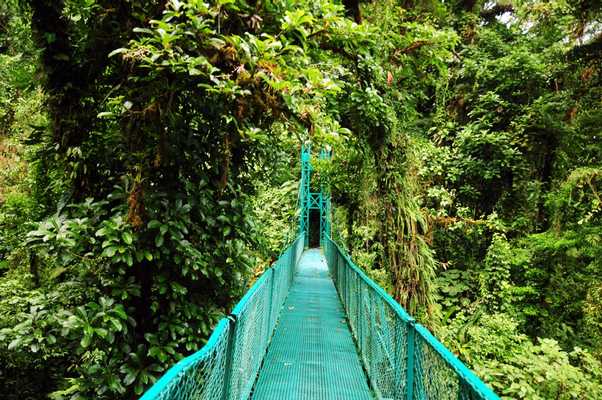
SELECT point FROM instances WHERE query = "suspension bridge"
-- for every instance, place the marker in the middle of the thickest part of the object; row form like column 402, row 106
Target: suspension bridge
column 314, row 326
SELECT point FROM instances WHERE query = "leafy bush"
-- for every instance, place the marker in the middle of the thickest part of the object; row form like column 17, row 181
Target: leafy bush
column 518, row 368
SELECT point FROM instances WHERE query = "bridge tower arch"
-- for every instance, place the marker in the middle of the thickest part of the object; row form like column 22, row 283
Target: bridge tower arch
column 313, row 202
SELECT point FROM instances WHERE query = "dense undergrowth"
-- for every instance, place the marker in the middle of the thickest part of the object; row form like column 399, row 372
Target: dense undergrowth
column 149, row 170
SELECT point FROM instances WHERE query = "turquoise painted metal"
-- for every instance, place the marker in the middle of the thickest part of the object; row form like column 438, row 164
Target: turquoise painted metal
column 306, row 201
column 312, row 354
column 402, row 359
column 314, row 326
column 226, row 367
column 309, row 200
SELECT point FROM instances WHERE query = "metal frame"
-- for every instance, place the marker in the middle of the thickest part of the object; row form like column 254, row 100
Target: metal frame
column 309, row 200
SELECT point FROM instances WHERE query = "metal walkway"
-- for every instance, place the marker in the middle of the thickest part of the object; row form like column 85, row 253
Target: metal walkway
column 314, row 326
column 312, row 354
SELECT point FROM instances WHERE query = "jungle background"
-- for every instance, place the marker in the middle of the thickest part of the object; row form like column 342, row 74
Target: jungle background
column 149, row 169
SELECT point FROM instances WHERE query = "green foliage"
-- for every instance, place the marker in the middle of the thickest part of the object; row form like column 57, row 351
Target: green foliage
column 495, row 273
column 397, row 63
column 511, row 176
column 592, row 319
column 155, row 212
column 148, row 171
column 94, row 243
column 21, row 115
column 276, row 216
column 578, row 199
column 517, row 368
column 559, row 273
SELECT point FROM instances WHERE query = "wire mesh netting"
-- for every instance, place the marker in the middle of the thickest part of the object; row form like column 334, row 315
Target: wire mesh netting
column 199, row 376
column 402, row 358
column 226, row 367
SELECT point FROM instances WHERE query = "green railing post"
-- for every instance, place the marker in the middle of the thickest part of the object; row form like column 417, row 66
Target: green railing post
column 464, row 392
column 410, row 362
column 291, row 272
column 271, row 305
column 371, row 338
column 397, row 360
column 230, row 349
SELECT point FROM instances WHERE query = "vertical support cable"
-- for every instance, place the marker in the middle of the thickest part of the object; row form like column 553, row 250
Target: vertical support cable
column 410, row 362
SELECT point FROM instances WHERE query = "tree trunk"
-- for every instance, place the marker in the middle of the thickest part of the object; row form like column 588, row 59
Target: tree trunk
column 350, row 217
column 352, row 9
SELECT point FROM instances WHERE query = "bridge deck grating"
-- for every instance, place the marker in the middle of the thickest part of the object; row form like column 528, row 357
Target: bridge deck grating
column 312, row 354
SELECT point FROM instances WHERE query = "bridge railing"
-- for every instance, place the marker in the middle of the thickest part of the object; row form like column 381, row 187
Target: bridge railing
column 226, row 367
column 402, row 358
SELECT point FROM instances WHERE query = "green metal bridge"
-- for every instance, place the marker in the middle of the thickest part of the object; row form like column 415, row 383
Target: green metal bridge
column 314, row 326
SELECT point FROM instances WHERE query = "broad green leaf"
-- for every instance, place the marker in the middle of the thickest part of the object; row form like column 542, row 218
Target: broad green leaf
column 127, row 237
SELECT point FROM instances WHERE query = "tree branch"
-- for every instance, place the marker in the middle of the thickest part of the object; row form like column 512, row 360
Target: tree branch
column 498, row 9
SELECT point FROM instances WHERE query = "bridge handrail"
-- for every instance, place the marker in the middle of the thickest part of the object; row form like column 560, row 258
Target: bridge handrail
column 402, row 358
column 226, row 367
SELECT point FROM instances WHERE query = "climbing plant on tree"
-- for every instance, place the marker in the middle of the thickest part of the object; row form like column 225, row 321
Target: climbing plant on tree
column 394, row 76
